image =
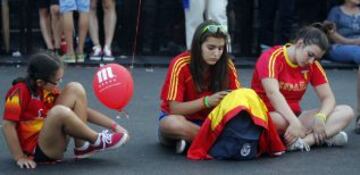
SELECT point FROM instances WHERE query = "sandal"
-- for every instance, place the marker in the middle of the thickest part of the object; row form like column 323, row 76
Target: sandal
column 357, row 125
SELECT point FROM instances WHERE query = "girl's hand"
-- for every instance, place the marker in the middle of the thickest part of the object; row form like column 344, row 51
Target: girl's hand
column 294, row 131
column 215, row 99
column 117, row 128
column 26, row 162
column 319, row 131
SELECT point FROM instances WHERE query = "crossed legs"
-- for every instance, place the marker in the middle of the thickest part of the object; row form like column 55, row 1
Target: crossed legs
column 338, row 120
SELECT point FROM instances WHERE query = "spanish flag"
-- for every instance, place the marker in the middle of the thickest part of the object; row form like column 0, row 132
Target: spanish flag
column 237, row 101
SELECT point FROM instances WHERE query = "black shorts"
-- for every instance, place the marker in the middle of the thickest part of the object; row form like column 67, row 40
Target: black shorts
column 47, row 3
column 40, row 157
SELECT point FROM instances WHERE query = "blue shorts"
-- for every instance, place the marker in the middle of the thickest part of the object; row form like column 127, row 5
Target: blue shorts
column 164, row 114
column 74, row 5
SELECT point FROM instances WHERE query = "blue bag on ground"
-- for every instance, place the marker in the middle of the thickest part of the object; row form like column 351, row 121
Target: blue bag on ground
column 239, row 139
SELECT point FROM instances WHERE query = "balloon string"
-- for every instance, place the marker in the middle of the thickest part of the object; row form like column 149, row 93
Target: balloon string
column 118, row 116
column 136, row 34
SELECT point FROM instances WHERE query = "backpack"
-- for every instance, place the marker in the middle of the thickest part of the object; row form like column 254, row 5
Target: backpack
column 239, row 139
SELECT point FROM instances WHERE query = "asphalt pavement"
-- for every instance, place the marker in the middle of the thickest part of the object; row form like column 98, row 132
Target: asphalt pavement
column 143, row 154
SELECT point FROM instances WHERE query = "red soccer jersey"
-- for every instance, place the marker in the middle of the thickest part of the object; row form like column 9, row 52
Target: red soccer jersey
column 179, row 85
column 293, row 79
column 28, row 112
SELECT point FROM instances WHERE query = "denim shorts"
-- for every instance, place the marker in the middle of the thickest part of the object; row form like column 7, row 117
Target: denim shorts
column 74, row 5
column 164, row 115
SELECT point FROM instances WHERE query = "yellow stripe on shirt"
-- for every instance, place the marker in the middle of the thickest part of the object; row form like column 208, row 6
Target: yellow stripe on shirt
column 174, row 79
column 272, row 60
column 233, row 70
column 318, row 65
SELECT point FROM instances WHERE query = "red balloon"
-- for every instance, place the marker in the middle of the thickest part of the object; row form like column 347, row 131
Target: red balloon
column 113, row 86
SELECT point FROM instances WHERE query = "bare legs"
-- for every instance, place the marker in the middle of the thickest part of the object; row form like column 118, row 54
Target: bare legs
column 177, row 127
column 109, row 22
column 45, row 27
column 5, row 24
column 336, row 121
column 68, row 117
column 69, row 29
column 56, row 25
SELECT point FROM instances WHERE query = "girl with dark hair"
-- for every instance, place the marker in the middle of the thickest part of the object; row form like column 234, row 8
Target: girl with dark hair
column 39, row 117
column 196, row 82
column 281, row 77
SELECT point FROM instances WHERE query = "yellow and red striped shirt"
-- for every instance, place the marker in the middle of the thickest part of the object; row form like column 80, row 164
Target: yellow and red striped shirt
column 293, row 79
column 179, row 85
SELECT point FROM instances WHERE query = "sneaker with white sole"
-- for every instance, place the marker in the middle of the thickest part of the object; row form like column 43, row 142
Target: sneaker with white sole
column 87, row 151
column 181, row 146
column 107, row 54
column 110, row 140
column 299, row 145
column 96, row 55
column 340, row 139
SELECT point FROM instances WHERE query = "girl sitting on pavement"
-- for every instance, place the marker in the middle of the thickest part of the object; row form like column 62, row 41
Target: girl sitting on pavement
column 39, row 117
column 281, row 77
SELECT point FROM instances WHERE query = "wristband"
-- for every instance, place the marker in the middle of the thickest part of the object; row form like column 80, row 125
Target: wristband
column 206, row 102
column 321, row 116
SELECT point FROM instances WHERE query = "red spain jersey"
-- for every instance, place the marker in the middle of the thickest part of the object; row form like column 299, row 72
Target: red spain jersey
column 293, row 79
column 28, row 112
column 179, row 85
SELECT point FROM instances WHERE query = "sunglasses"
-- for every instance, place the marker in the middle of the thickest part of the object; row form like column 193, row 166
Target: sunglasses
column 215, row 28
column 56, row 82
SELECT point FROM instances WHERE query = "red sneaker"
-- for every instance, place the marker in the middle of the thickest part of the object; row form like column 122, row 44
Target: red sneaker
column 110, row 140
column 81, row 154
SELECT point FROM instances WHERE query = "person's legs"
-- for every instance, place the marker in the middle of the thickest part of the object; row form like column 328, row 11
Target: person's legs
column 56, row 24
column 345, row 53
column 83, row 29
column 109, row 21
column 74, row 97
column 177, row 127
column 337, row 121
column 5, row 24
column 216, row 10
column 62, row 121
column 68, row 31
column 193, row 18
column 45, row 26
column 93, row 24
column 69, row 117
column 83, row 9
column 66, row 9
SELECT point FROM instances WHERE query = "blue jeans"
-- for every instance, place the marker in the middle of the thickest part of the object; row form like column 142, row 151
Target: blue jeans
column 345, row 53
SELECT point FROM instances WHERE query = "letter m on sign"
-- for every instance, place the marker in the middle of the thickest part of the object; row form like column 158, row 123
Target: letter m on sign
column 105, row 74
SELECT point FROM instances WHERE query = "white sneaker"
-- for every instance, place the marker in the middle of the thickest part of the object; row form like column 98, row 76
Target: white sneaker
column 299, row 144
column 108, row 54
column 96, row 54
column 340, row 139
column 180, row 146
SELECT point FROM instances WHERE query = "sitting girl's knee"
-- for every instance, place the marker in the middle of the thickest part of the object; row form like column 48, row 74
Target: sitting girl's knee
column 59, row 110
column 346, row 111
column 75, row 87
